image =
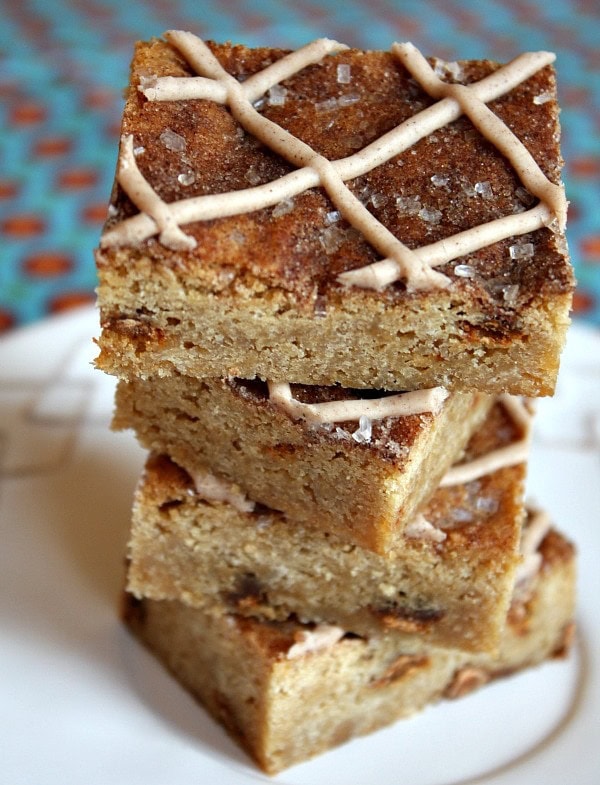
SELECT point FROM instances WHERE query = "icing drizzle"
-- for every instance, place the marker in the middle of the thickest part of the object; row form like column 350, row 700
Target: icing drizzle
column 503, row 457
column 408, row 403
column 145, row 197
column 310, row 641
column 216, row 489
column 401, row 405
column 533, row 534
column 517, row 452
column 414, row 266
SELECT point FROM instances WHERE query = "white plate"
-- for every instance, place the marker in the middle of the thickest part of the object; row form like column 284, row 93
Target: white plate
column 81, row 702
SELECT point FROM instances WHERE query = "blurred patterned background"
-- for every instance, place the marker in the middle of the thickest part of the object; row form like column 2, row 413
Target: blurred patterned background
column 64, row 64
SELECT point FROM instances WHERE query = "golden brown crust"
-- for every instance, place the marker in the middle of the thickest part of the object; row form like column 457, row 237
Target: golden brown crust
column 288, row 252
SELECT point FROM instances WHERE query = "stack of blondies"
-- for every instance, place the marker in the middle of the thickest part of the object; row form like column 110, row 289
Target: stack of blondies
column 331, row 282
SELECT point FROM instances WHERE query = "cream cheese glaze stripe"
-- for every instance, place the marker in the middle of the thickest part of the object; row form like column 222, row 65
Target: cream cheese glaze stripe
column 401, row 405
column 414, row 266
column 503, row 457
column 537, row 528
column 145, row 197
column 405, row 404
column 533, row 534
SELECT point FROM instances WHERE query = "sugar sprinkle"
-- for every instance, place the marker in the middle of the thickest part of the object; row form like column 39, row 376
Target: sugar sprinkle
column 173, row 141
column 344, row 75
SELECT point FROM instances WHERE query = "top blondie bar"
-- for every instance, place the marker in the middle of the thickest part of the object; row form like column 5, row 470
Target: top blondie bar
column 336, row 216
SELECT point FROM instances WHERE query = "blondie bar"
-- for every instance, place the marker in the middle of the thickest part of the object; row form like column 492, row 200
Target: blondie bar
column 447, row 577
column 288, row 691
column 363, row 479
column 372, row 219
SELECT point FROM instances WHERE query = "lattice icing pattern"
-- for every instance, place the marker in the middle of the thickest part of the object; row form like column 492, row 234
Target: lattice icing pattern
column 415, row 267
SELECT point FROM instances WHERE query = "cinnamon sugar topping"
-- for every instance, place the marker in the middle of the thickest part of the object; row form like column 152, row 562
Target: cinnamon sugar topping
column 413, row 266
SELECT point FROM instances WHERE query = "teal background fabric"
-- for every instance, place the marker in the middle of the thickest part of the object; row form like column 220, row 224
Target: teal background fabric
column 64, row 64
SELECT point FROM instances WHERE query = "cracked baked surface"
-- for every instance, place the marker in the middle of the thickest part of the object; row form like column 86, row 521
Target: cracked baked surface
column 259, row 294
column 317, row 475
column 247, row 673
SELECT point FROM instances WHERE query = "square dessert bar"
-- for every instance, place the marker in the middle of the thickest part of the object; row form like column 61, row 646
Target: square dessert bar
column 447, row 578
column 287, row 691
column 372, row 219
column 362, row 479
